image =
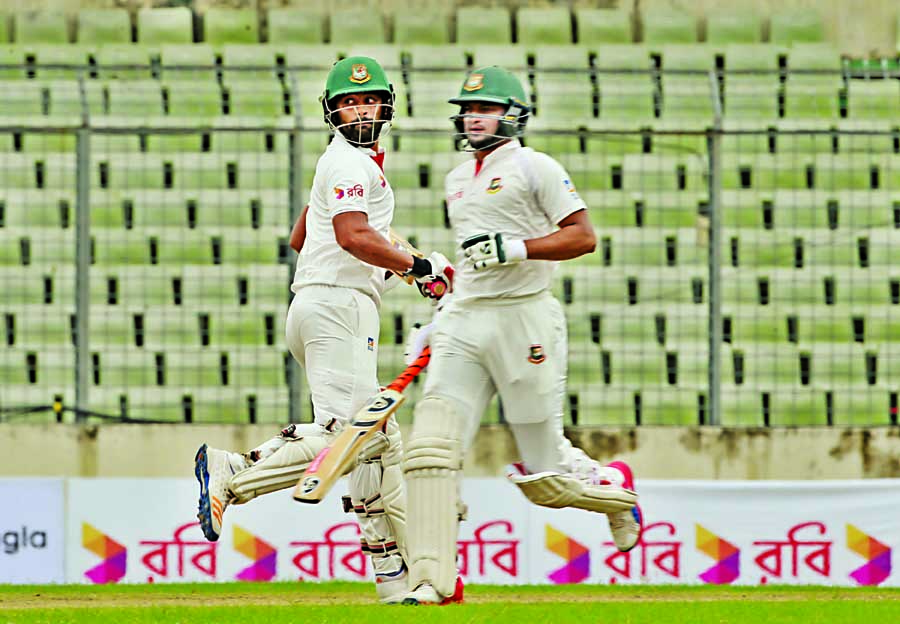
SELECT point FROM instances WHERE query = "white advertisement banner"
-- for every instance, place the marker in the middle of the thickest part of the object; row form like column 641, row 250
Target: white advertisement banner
column 829, row 533
column 32, row 527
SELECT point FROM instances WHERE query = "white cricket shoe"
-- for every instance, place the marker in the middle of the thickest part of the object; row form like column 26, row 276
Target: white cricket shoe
column 213, row 469
column 425, row 594
column 391, row 579
column 625, row 526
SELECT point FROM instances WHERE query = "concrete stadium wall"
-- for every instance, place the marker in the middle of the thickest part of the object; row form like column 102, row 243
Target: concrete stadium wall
column 655, row 452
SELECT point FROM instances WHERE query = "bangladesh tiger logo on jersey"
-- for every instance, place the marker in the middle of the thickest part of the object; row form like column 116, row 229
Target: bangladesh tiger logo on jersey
column 494, row 186
column 360, row 74
column 537, row 354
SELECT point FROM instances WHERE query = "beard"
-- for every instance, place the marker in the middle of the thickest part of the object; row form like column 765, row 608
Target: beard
column 360, row 134
column 484, row 141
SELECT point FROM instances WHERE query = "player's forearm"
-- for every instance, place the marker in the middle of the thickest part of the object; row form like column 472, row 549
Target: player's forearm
column 368, row 245
column 563, row 244
column 298, row 233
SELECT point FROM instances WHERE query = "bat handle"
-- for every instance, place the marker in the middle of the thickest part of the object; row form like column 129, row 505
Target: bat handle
column 412, row 371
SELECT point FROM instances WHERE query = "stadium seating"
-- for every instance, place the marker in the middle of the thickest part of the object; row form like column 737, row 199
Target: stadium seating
column 165, row 26
column 550, row 26
column 412, row 27
column 221, row 26
column 41, row 28
column 189, row 214
column 103, row 26
column 478, row 25
column 602, row 26
column 725, row 27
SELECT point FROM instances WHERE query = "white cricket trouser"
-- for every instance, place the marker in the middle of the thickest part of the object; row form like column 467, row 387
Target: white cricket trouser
column 333, row 333
column 517, row 348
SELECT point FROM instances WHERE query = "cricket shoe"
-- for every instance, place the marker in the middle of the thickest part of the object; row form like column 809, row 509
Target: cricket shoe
column 626, row 526
column 425, row 594
column 214, row 469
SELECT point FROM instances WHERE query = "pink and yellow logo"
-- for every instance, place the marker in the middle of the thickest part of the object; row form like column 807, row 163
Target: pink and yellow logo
column 726, row 554
column 877, row 555
column 263, row 554
column 114, row 555
column 577, row 556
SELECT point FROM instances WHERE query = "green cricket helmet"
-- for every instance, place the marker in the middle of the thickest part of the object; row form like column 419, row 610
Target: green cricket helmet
column 493, row 85
column 357, row 74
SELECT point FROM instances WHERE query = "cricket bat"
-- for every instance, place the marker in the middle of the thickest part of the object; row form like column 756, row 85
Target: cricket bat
column 336, row 460
column 404, row 245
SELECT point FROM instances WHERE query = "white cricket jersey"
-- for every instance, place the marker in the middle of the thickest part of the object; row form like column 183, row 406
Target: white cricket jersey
column 521, row 194
column 347, row 179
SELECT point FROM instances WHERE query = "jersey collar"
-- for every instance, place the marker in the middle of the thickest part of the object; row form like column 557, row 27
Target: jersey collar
column 496, row 154
column 378, row 156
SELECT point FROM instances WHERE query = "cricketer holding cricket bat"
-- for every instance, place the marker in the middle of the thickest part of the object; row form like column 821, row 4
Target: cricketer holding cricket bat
column 332, row 328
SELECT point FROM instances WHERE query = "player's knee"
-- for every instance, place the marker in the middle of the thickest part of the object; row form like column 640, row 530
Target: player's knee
column 436, row 440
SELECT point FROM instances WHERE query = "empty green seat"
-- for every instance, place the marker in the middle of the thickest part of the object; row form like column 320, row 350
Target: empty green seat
column 4, row 27
column 417, row 27
column 726, row 27
column 625, row 96
column 793, row 26
column 813, row 94
column 602, row 26
column 188, row 62
column 663, row 26
column 12, row 55
column 687, row 95
column 123, row 62
column 873, row 99
column 185, row 99
column 564, row 101
column 21, row 99
column 104, row 26
column 353, row 26
column 544, row 26
column 241, row 58
column 71, row 56
column 137, row 98
column 165, row 26
column 221, row 26
column 483, row 26
column 751, row 81
column 295, row 27
column 41, row 28
column 261, row 99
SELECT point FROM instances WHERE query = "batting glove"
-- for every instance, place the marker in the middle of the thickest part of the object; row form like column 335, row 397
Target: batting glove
column 487, row 250
column 439, row 279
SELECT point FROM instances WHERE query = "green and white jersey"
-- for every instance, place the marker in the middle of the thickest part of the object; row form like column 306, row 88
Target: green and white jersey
column 347, row 179
column 521, row 194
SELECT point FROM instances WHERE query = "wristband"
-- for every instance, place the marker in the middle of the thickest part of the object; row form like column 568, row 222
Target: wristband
column 515, row 250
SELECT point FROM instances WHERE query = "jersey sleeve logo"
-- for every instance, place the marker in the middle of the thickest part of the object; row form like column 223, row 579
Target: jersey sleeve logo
column 474, row 82
column 571, row 188
column 356, row 190
column 494, row 186
column 360, row 74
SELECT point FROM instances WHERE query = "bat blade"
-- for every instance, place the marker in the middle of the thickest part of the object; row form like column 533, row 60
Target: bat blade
column 337, row 459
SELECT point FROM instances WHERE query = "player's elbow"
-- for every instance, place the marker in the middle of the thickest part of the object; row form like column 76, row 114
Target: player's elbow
column 587, row 241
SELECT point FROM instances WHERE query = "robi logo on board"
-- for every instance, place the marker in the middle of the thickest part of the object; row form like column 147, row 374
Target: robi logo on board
column 23, row 539
column 726, row 554
column 876, row 553
column 114, row 555
column 576, row 555
column 263, row 555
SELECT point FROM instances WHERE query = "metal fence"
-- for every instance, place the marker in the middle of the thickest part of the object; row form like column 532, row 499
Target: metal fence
column 746, row 273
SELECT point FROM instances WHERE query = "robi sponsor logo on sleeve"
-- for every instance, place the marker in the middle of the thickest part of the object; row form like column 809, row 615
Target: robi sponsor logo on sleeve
column 571, row 188
column 341, row 192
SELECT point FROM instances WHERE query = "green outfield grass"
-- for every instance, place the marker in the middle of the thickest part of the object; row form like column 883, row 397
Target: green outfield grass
column 307, row 603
